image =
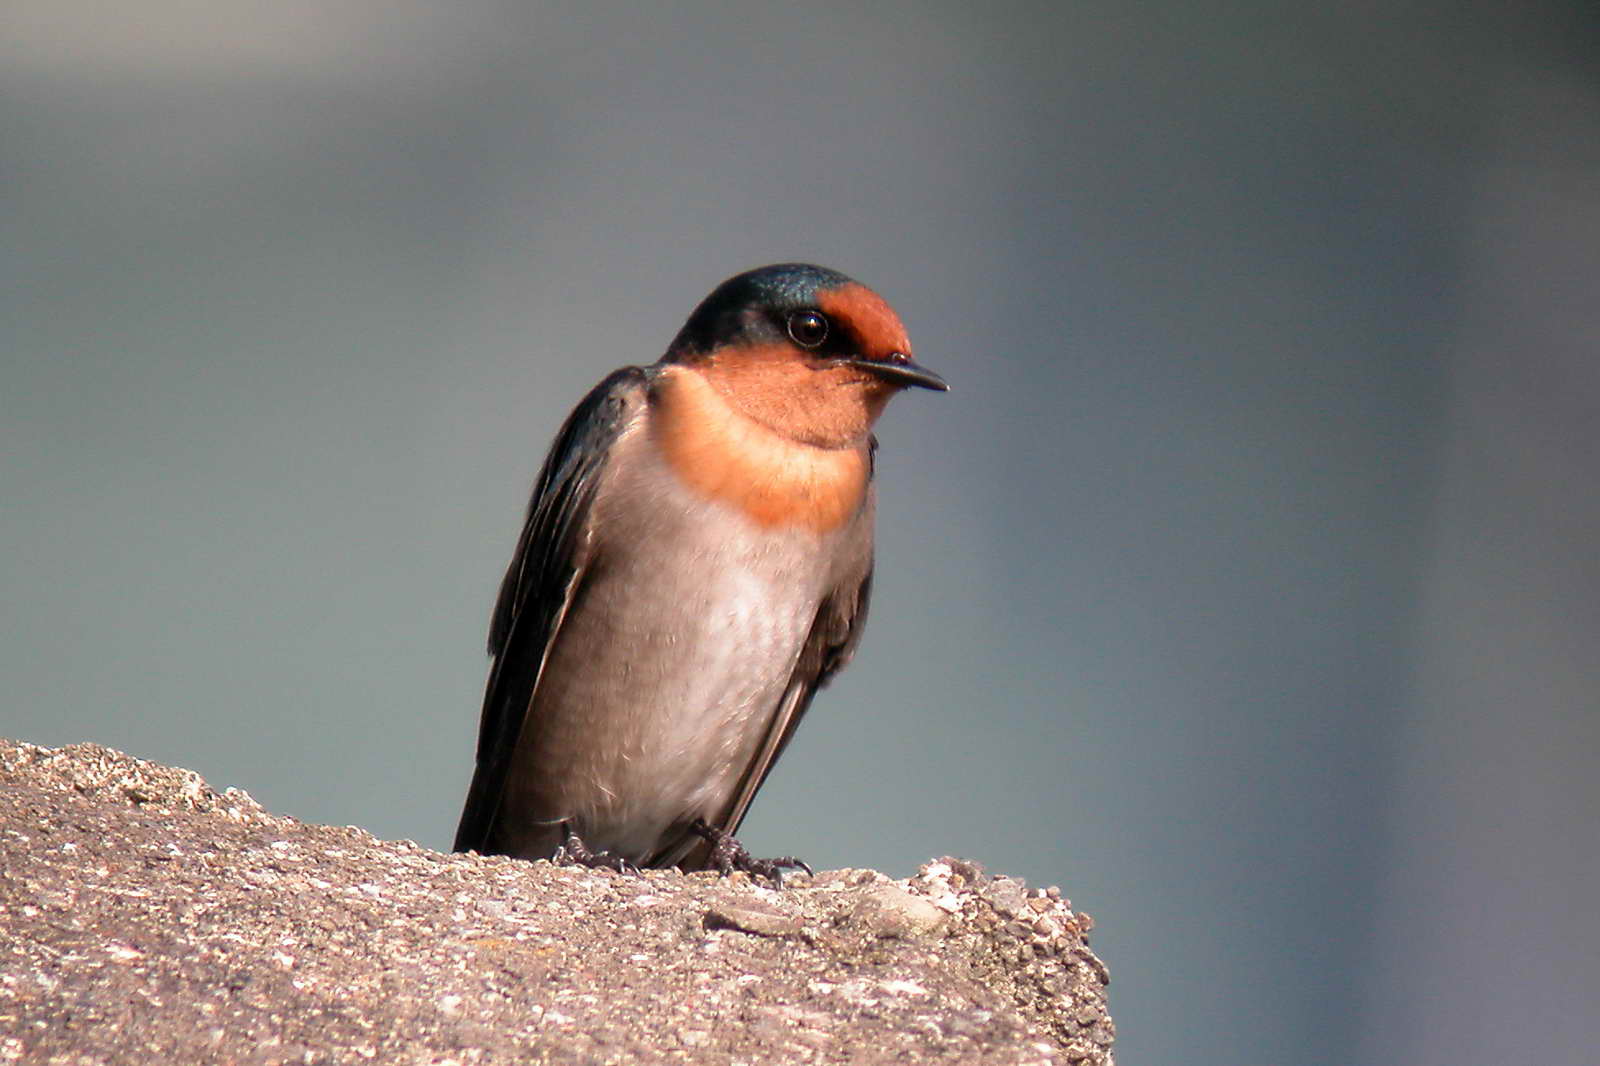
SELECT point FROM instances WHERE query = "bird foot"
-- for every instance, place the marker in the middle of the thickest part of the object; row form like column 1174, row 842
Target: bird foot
column 728, row 855
column 574, row 852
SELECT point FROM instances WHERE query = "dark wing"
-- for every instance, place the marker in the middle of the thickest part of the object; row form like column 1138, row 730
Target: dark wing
column 829, row 646
column 538, row 587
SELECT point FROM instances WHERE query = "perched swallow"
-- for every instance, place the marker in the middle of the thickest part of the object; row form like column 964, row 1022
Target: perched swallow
column 695, row 564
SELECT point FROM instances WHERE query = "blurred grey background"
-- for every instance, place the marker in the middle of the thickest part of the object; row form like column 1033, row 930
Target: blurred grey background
column 1246, row 585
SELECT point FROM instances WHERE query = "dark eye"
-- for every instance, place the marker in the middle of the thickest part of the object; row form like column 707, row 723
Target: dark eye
column 808, row 328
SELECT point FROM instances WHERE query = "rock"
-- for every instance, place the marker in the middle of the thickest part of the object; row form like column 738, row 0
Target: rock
column 146, row 918
column 753, row 918
column 1007, row 895
column 891, row 911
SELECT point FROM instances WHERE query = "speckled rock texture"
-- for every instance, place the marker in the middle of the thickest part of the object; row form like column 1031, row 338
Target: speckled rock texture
column 145, row 918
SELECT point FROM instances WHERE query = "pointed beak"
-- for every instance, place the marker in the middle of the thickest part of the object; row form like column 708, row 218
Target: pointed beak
column 898, row 369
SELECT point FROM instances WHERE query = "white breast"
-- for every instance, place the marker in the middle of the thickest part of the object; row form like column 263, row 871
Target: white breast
column 667, row 671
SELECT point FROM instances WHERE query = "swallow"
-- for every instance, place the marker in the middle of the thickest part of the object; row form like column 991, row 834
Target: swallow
column 695, row 564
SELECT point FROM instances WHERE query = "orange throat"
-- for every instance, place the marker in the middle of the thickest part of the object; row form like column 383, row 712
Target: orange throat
column 725, row 455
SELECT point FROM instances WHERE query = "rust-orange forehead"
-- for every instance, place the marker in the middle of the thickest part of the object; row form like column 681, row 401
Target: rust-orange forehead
column 869, row 315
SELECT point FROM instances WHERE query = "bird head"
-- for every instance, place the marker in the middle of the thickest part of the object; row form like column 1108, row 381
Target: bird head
column 806, row 351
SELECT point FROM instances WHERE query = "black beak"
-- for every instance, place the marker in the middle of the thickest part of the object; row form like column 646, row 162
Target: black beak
column 898, row 369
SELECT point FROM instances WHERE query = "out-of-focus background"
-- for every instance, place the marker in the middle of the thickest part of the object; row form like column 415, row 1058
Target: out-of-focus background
column 1246, row 585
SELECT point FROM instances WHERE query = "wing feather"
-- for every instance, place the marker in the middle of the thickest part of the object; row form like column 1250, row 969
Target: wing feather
column 545, row 573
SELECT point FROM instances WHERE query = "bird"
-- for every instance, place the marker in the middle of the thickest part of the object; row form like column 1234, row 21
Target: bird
column 695, row 564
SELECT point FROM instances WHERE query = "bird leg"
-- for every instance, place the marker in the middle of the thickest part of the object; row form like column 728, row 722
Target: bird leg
column 574, row 852
column 728, row 855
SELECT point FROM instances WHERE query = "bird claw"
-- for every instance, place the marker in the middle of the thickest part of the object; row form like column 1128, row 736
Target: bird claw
column 574, row 852
column 728, row 855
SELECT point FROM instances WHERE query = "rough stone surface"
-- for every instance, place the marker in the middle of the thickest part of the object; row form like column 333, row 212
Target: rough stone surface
column 145, row 918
